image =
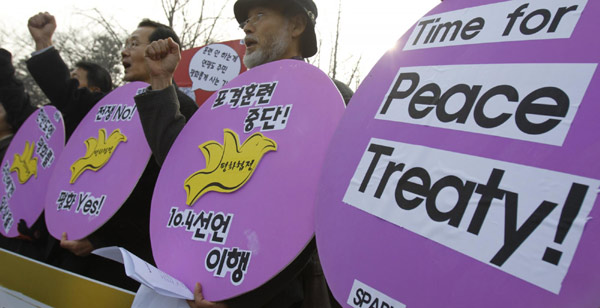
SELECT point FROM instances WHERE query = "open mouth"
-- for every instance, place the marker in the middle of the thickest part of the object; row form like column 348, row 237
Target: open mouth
column 126, row 65
column 250, row 42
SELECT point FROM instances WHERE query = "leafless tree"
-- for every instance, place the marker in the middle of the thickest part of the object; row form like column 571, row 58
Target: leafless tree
column 355, row 75
column 334, row 50
column 195, row 30
column 335, row 70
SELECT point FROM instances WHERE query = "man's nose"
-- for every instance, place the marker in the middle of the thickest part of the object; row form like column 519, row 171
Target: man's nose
column 248, row 28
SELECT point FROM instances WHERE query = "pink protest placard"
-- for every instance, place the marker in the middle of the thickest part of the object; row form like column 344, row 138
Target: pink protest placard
column 27, row 167
column 101, row 164
column 464, row 172
column 234, row 202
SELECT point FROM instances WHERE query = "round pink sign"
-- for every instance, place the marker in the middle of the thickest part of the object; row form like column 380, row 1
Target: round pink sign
column 234, row 201
column 100, row 166
column 27, row 167
column 464, row 172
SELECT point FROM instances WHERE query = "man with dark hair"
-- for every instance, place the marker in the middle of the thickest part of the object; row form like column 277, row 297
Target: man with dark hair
column 92, row 76
column 161, row 32
column 275, row 30
column 149, row 31
column 129, row 227
column 69, row 95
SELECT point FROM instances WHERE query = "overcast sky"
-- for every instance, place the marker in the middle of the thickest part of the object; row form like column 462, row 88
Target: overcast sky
column 369, row 28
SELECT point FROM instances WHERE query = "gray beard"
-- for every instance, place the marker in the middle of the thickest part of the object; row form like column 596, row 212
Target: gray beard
column 273, row 50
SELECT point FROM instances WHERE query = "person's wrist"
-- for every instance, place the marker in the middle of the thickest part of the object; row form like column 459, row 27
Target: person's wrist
column 42, row 43
column 161, row 82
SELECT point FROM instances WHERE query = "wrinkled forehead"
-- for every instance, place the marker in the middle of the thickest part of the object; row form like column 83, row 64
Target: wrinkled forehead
column 141, row 34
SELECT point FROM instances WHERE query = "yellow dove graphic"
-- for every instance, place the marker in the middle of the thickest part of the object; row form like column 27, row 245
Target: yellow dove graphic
column 25, row 165
column 98, row 152
column 228, row 166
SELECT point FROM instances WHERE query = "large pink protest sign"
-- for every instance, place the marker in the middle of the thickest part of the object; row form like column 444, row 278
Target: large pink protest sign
column 234, row 202
column 464, row 172
column 100, row 166
column 27, row 167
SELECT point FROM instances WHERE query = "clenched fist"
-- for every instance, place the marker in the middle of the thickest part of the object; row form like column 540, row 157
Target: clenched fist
column 41, row 27
column 162, row 57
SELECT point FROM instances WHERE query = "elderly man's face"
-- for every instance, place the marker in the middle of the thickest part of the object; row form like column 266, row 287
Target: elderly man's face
column 268, row 36
column 132, row 55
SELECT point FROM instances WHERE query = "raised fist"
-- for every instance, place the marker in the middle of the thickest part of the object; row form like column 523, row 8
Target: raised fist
column 162, row 57
column 41, row 27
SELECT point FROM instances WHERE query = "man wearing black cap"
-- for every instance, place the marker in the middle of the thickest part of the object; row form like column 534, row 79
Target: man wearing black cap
column 283, row 29
column 275, row 30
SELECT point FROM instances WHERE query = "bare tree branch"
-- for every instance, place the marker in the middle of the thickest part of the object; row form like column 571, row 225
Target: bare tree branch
column 212, row 26
column 355, row 72
column 114, row 30
column 334, row 51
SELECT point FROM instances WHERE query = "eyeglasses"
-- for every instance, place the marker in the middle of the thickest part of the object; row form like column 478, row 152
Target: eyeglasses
column 252, row 20
column 132, row 44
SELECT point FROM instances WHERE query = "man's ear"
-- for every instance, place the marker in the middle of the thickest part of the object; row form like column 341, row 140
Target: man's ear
column 298, row 22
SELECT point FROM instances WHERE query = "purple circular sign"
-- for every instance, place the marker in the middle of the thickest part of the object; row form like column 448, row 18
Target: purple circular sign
column 27, row 167
column 234, row 201
column 464, row 172
column 101, row 164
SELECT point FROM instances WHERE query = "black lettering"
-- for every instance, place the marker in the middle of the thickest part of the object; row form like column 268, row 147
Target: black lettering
column 527, row 107
column 178, row 219
column 419, row 99
column 100, row 204
column 119, row 113
column 569, row 212
column 132, row 112
column 359, row 295
column 378, row 150
column 488, row 192
column 512, row 17
column 126, row 114
column 513, row 237
column 462, row 114
column 94, row 207
column 375, row 303
column 486, row 122
column 559, row 15
column 173, row 211
column 418, row 189
column 475, row 26
column 431, row 31
column 87, row 206
column 81, row 200
column 422, row 24
column 189, row 220
column 366, row 298
column 455, row 215
column 396, row 94
column 391, row 168
column 546, row 15
column 457, row 25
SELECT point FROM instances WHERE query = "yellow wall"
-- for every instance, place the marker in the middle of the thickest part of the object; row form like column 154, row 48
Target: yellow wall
column 56, row 287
